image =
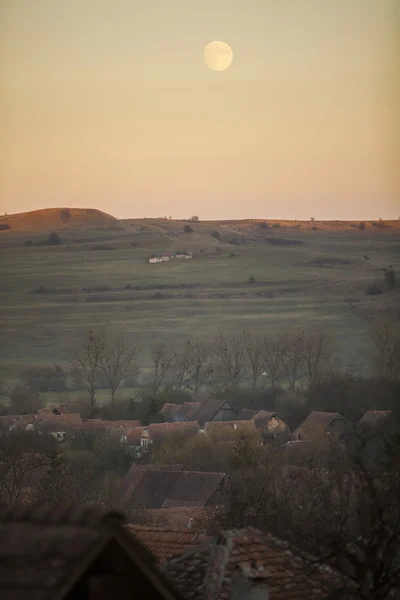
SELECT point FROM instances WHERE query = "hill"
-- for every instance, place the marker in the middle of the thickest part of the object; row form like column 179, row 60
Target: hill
column 50, row 219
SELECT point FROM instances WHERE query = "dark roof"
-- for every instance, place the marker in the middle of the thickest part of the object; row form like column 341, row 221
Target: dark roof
column 166, row 543
column 168, row 410
column 263, row 417
column 188, row 410
column 176, row 488
column 208, row 409
column 45, row 551
column 317, row 420
column 374, row 419
column 136, row 471
column 209, row 570
column 246, row 414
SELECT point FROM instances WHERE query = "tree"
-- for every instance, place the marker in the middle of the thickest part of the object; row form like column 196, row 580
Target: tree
column 183, row 363
column 273, row 360
column 54, row 239
column 231, row 352
column 44, row 379
column 317, row 350
column 115, row 360
column 216, row 235
column 24, row 460
column 337, row 516
column 385, row 336
column 194, row 218
column 162, row 355
column 23, row 401
column 291, row 352
column 202, row 367
column 256, row 359
column 188, row 229
column 86, row 356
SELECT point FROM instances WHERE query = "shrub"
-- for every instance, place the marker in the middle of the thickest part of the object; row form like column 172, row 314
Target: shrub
column 390, row 279
column 251, row 279
column 276, row 225
column 314, row 228
column 4, row 226
column 54, row 239
column 361, row 226
column 216, row 235
column 188, row 229
column 65, row 214
column 263, row 225
column 22, row 401
column 373, row 290
column 44, row 379
column 366, row 257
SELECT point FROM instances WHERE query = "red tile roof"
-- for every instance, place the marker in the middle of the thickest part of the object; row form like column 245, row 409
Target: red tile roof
column 166, row 543
column 317, row 420
column 225, row 428
column 213, row 568
column 133, row 435
column 158, row 432
column 169, row 410
column 208, row 409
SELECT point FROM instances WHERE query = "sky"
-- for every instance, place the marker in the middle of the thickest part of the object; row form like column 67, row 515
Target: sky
column 109, row 105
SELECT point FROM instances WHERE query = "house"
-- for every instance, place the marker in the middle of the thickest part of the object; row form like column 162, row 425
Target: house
column 131, row 439
column 214, row 410
column 246, row 564
column 136, row 472
column 169, row 410
column 157, row 433
column 66, row 554
column 165, row 544
column 179, row 412
column 268, row 422
column 155, row 259
column 170, row 489
column 223, row 430
column 318, row 423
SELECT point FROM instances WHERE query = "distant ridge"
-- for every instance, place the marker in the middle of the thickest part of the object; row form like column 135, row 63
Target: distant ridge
column 49, row 219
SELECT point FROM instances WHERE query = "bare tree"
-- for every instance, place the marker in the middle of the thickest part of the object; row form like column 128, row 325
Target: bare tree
column 203, row 365
column 182, row 364
column 348, row 518
column 24, row 460
column 273, row 360
column 162, row 354
column 86, row 356
column 292, row 354
column 115, row 361
column 317, row 350
column 385, row 336
column 231, row 352
column 256, row 359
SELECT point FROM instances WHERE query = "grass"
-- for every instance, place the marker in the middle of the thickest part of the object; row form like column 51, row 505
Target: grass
column 298, row 285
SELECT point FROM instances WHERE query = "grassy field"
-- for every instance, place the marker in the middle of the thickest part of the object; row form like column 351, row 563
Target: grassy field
column 302, row 277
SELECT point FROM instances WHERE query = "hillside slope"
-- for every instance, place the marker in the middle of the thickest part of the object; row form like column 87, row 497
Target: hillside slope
column 49, row 219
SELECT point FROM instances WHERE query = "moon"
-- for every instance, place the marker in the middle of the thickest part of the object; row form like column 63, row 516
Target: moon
column 218, row 56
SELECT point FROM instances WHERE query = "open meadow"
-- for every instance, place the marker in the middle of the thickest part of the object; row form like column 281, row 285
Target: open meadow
column 244, row 275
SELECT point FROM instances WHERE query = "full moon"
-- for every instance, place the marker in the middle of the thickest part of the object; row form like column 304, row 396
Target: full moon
column 218, row 56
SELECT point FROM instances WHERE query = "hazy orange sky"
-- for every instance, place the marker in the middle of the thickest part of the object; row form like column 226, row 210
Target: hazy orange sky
column 108, row 104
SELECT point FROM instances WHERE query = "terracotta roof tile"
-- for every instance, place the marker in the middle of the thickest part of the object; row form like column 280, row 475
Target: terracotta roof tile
column 208, row 410
column 374, row 418
column 209, row 571
column 221, row 428
column 158, row 432
column 317, row 420
column 166, row 543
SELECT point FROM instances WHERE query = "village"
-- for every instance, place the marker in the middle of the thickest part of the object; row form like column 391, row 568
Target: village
column 169, row 256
